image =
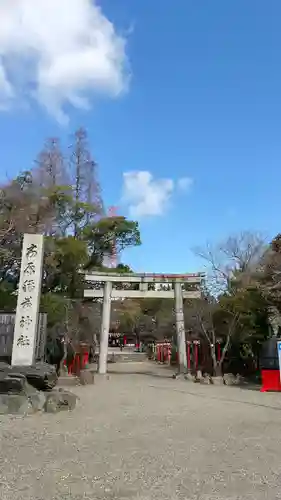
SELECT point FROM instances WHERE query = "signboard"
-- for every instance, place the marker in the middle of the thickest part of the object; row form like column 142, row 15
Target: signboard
column 279, row 356
column 28, row 300
column 41, row 337
column 7, row 326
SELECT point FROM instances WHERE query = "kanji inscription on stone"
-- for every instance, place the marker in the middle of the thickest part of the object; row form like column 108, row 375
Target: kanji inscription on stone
column 29, row 292
column 25, row 321
column 23, row 341
column 26, row 303
column 28, row 286
column 29, row 268
column 31, row 251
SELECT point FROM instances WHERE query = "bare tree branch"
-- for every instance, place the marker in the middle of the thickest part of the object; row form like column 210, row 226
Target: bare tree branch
column 238, row 255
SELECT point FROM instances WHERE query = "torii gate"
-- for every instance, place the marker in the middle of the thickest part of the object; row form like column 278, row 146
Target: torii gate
column 107, row 292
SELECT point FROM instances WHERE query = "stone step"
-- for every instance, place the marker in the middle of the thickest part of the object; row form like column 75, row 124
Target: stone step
column 127, row 357
column 68, row 381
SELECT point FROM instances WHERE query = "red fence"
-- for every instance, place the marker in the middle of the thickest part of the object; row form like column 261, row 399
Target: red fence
column 79, row 363
column 197, row 353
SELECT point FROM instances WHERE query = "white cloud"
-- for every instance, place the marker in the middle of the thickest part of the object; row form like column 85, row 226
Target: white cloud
column 145, row 195
column 58, row 52
column 185, row 183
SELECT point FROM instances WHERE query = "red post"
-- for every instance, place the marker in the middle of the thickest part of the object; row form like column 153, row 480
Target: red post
column 158, row 352
column 219, row 351
column 188, row 357
column 165, row 353
column 196, row 355
column 85, row 359
column 169, row 354
column 77, row 363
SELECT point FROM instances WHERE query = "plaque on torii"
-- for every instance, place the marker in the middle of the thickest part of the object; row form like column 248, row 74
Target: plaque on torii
column 143, row 282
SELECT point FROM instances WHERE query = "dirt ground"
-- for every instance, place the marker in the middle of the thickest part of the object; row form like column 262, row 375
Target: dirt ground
column 138, row 434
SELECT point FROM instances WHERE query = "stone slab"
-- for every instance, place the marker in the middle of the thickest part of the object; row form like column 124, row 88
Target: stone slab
column 86, row 377
column 15, row 404
column 217, row 381
column 60, row 400
column 42, row 376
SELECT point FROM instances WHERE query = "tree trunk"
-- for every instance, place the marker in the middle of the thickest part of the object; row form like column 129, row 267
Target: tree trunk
column 218, row 370
column 214, row 360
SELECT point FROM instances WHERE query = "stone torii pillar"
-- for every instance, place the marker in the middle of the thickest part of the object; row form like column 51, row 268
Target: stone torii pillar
column 180, row 329
column 177, row 293
column 106, row 309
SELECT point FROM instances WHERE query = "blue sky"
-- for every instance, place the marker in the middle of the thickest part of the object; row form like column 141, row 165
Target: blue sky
column 202, row 104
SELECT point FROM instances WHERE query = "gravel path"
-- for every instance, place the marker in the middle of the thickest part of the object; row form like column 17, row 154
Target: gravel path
column 143, row 436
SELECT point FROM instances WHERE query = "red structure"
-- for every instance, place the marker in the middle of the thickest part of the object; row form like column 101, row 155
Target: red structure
column 197, row 356
column 270, row 365
column 270, row 381
column 80, row 360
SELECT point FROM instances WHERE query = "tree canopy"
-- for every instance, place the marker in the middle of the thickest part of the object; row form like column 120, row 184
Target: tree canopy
column 60, row 197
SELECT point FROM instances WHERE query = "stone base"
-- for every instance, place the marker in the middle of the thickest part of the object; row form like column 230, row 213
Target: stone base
column 230, row 379
column 87, row 377
column 198, row 377
column 21, row 399
column 217, row 381
column 18, row 397
column 206, row 380
column 183, row 376
column 15, row 404
column 42, row 376
column 68, row 381
column 37, row 401
column 4, row 366
column 12, row 383
column 60, row 400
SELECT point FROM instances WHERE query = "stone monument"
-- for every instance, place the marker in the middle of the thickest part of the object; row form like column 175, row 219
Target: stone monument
column 27, row 386
column 29, row 293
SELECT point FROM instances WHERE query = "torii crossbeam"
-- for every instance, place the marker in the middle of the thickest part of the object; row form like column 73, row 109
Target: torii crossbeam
column 178, row 292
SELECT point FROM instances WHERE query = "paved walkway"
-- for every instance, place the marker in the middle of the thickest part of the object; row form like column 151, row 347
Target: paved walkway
column 144, row 436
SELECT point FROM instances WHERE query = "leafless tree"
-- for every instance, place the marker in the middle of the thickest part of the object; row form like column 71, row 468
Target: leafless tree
column 5, row 231
column 214, row 323
column 234, row 258
column 230, row 264
column 268, row 277
column 86, row 189
column 50, row 166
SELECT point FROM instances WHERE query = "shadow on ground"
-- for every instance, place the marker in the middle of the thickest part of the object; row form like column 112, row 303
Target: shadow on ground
column 141, row 372
column 165, row 372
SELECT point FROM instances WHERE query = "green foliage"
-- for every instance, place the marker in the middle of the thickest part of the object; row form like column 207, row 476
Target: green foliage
column 8, row 298
column 63, row 263
column 110, row 234
column 60, row 198
column 55, row 306
column 123, row 268
column 252, row 309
